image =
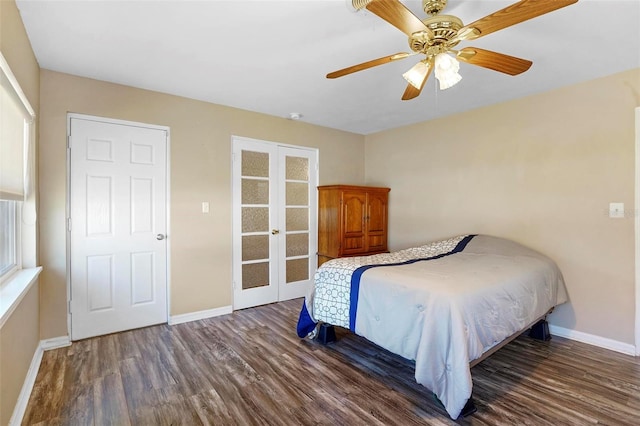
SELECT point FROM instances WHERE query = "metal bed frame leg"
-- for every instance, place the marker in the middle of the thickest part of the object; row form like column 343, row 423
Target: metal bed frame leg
column 540, row 331
column 326, row 334
column 469, row 408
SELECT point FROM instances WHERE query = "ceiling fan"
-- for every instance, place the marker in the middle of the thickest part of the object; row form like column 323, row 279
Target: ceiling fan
column 438, row 35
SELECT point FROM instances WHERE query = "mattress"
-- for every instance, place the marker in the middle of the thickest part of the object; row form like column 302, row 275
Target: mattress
column 443, row 304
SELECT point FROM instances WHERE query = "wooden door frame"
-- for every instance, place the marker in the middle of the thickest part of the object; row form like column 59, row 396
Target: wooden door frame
column 68, row 201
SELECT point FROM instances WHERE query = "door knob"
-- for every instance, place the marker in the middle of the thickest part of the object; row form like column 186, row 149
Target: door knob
column 275, row 231
column 160, row 237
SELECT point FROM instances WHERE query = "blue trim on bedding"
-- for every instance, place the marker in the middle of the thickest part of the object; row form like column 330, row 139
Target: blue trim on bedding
column 305, row 323
column 357, row 275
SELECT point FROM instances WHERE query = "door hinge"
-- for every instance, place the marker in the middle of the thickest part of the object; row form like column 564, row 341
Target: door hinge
column 69, row 306
column 69, row 141
column 69, row 224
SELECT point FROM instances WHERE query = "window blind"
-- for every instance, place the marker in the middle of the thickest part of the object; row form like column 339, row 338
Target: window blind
column 15, row 119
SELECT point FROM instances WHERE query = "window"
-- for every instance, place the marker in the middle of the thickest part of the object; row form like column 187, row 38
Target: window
column 9, row 237
column 16, row 118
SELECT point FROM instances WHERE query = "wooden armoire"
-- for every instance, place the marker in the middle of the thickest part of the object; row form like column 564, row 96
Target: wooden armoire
column 352, row 221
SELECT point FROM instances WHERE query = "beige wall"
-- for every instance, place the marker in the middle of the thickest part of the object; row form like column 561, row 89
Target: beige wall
column 540, row 170
column 16, row 49
column 18, row 343
column 20, row 335
column 200, row 171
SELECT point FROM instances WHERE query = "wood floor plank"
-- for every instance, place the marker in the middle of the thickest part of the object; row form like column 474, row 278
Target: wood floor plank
column 77, row 405
column 109, row 402
column 47, row 391
column 211, row 408
column 250, row 368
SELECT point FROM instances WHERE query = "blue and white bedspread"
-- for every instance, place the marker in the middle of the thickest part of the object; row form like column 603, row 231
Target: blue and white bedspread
column 442, row 304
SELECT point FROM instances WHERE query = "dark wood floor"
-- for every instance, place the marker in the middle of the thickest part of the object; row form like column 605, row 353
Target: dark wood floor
column 249, row 368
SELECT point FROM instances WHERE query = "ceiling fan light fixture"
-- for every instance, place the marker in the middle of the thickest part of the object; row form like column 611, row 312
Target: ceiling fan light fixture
column 416, row 75
column 446, row 70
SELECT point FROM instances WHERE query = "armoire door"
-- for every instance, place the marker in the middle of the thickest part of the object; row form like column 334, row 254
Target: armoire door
column 354, row 208
column 274, row 221
column 376, row 220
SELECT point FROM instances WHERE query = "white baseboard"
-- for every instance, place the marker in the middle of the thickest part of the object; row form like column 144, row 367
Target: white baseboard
column 55, row 343
column 195, row 316
column 27, row 387
column 601, row 342
column 30, row 379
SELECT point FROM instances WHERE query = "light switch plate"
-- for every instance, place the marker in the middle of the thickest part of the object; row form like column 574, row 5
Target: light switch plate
column 205, row 207
column 616, row 210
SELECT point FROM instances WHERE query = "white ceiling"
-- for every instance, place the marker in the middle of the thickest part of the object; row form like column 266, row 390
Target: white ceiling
column 272, row 56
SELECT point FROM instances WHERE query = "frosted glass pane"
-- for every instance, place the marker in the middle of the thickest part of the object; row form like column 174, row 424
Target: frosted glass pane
column 297, row 270
column 255, row 164
column 255, row 219
column 255, row 247
column 255, row 191
column 255, row 275
column 297, row 245
column 297, row 194
column 297, row 219
column 297, row 168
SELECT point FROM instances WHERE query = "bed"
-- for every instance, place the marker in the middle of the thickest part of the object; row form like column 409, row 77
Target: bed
column 445, row 304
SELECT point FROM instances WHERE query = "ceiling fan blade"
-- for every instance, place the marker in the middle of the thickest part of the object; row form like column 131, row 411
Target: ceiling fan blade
column 510, row 15
column 494, row 60
column 369, row 64
column 398, row 15
column 412, row 92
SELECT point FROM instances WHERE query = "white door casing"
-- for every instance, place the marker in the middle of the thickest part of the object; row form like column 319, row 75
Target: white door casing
column 637, row 230
column 117, row 225
column 274, row 221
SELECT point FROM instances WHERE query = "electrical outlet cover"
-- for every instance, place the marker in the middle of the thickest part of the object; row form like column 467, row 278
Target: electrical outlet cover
column 616, row 210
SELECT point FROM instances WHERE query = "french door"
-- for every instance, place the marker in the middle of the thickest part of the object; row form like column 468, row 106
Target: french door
column 117, row 225
column 274, row 221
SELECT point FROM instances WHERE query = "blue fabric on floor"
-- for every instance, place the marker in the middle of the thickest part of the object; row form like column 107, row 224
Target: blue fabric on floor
column 305, row 323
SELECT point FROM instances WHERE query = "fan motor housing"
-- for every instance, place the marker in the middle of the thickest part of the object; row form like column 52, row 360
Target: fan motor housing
column 430, row 7
column 443, row 27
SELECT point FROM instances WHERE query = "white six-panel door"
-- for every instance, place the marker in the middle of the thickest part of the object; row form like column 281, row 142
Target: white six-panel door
column 274, row 221
column 117, row 226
